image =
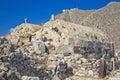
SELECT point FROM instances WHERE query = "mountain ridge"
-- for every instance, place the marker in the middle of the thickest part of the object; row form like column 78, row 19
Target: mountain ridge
column 106, row 19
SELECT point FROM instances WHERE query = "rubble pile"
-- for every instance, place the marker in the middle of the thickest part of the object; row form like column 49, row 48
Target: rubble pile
column 5, row 47
column 23, row 34
column 17, row 66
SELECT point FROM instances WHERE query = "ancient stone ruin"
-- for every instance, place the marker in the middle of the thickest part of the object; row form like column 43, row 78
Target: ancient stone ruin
column 100, row 54
column 86, row 59
column 94, row 48
column 58, row 50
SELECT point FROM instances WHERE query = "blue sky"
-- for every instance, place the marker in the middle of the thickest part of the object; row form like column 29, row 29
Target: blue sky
column 13, row 12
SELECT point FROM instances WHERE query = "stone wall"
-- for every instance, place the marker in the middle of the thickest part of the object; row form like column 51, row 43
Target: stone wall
column 98, row 57
column 95, row 48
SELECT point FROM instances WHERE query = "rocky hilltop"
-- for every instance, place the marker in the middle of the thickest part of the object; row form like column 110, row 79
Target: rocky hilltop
column 106, row 19
column 67, row 47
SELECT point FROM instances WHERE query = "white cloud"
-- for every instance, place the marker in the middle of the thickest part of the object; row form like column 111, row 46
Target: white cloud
column 11, row 29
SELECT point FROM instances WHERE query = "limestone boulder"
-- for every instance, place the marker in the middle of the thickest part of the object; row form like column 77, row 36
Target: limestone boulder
column 39, row 47
column 65, row 50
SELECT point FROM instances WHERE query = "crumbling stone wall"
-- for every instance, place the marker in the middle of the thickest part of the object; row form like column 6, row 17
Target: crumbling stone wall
column 103, row 52
column 95, row 48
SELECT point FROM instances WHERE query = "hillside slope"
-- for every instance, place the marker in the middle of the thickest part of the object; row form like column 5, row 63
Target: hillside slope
column 106, row 19
column 60, row 32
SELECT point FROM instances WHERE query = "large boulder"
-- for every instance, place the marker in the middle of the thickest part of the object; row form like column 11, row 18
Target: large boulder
column 66, row 50
column 39, row 47
column 29, row 78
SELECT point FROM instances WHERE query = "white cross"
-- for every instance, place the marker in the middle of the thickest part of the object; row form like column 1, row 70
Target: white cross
column 25, row 20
